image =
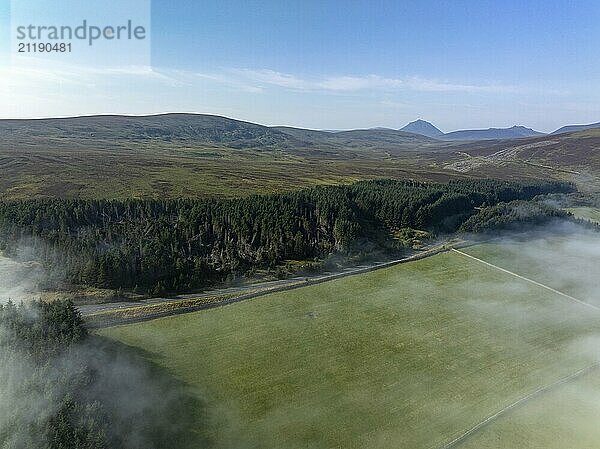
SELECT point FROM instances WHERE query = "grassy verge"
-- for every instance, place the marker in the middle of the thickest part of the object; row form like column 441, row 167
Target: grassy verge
column 139, row 313
column 165, row 308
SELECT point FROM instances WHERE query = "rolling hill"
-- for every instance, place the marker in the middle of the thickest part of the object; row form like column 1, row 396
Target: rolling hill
column 186, row 155
column 190, row 155
column 427, row 129
column 197, row 128
column 574, row 156
column 574, row 128
column 356, row 137
column 515, row 132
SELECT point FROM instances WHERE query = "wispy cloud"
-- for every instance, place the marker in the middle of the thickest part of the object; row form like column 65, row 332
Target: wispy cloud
column 352, row 83
column 224, row 79
column 29, row 71
column 35, row 88
column 428, row 85
column 273, row 78
column 246, row 80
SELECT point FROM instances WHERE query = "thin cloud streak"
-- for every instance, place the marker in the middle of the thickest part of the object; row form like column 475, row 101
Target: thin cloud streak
column 348, row 83
column 247, row 80
column 42, row 88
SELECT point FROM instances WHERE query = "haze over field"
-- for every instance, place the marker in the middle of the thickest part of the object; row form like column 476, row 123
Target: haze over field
column 267, row 224
column 91, row 382
column 416, row 353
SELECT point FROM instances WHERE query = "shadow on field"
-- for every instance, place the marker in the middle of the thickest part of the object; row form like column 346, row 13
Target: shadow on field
column 148, row 406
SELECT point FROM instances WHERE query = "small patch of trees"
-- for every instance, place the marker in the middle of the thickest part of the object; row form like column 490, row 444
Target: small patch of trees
column 62, row 388
column 46, row 391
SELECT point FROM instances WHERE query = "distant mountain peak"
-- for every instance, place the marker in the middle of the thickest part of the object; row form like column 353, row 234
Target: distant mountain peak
column 423, row 128
column 521, row 127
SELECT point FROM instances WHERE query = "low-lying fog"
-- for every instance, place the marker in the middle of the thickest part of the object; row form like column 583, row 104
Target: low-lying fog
column 18, row 281
column 147, row 408
column 563, row 256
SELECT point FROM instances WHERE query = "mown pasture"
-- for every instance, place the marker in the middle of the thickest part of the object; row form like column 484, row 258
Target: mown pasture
column 408, row 356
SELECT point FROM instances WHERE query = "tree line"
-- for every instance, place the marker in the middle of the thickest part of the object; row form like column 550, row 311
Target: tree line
column 512, row 216
column 520, row 215
column 159, row 246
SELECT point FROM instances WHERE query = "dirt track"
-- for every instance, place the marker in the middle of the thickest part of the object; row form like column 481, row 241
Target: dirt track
column 249, row 291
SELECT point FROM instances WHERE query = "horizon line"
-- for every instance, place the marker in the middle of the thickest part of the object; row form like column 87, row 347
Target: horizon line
column 158, row 114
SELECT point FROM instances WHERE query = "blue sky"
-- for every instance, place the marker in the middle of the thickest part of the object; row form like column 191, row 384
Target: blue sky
column 342, row 64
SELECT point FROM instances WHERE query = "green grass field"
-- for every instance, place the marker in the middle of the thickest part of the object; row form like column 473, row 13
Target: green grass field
column 565, row 418
column 409, row 356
